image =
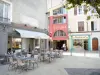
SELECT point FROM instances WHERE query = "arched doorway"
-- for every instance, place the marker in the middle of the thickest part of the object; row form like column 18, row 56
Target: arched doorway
column 95, row 44
column 58, row 44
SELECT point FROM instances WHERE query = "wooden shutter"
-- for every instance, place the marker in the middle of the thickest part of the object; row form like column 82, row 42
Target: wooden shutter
column 75, row 11
column 81, row 26
column 85, row 9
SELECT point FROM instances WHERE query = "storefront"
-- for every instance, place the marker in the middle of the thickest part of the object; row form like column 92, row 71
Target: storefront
column 80, row 42
column 28, row 40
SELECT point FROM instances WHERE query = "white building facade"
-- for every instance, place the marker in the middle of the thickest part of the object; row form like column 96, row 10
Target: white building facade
column 83, row 32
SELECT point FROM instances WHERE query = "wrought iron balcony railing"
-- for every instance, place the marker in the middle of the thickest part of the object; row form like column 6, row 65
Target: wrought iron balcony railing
column 4, row 20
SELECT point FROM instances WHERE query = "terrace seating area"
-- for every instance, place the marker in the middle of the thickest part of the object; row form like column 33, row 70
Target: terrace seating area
column 24, row 61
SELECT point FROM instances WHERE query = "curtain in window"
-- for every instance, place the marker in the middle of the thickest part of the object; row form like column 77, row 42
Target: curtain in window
column 81, row 26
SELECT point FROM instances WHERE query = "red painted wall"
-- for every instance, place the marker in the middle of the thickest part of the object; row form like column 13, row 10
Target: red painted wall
column 55, row 27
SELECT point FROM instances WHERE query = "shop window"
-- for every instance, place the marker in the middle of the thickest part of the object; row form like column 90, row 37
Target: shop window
column 77, row 42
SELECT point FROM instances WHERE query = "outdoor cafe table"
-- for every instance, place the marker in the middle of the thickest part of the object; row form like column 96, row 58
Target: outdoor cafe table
column 28, row 61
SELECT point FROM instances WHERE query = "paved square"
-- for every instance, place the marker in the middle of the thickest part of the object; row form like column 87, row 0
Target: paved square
column 68, row 65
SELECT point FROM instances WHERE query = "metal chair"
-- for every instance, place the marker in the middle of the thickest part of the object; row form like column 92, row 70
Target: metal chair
column 22, row 65
column 35, row 60
column 12, row 64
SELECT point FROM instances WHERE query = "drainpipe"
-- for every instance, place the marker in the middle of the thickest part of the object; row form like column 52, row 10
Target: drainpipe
column 11, row 42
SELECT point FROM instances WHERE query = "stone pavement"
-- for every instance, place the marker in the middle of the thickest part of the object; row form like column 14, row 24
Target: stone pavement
column 59, row 66
column 90, row 54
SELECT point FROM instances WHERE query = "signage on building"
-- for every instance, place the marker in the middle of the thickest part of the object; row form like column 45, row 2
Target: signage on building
column 80, row 37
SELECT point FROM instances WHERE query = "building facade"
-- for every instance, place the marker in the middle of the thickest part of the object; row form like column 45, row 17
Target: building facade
column 5, row 24
column 84, row 29
column 23, row 16
column 58, row 26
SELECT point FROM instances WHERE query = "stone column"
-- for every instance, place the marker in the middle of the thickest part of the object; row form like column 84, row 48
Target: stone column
column 3, row 42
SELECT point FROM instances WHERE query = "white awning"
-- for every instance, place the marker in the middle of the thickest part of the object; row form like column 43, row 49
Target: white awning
column 32, row 34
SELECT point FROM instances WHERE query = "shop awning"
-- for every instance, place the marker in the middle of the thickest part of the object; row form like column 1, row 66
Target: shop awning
column 32, row 34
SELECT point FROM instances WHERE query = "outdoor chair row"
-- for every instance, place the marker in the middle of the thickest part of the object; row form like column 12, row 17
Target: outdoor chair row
column 22, row 63
column 26, row 61
column 50, row 55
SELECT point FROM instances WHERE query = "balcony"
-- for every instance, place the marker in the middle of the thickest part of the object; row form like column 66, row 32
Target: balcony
column 58, row 11
column 59, row 20
column 5, row 12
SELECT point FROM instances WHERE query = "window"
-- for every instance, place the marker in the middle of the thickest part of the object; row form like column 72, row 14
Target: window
column 93, row 26
column 80, row 10
column 59, row 33
column 58, row 11
column 58, row 20
column 55, row 21
column 1, row 11
column 4, row 11
column 81, row 26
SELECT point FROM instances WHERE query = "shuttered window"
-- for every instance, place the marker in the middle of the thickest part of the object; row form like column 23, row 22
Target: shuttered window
column 85, row 9
column 75, row 11
column 81, row 26
column 80, row 10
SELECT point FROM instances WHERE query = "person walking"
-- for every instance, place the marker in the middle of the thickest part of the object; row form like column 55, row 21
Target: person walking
column 64, row 47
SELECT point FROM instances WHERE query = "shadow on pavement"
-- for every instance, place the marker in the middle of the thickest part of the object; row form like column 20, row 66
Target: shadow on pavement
column 82, row 71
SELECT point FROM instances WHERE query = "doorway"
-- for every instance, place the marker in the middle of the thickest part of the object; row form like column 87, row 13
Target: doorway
column 85, row 44
column 59, row 44
column 95, row 44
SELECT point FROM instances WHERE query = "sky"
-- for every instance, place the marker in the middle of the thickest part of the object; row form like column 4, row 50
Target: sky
column 52, row 3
